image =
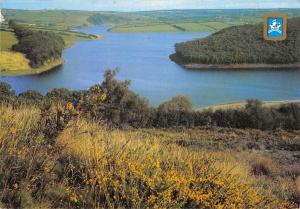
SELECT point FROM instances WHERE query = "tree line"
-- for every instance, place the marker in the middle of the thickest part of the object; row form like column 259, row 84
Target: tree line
column 38, row 46
column 241, row 44
column 114, row 104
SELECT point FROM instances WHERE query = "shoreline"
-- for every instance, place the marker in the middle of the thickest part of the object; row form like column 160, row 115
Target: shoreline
column 34, row 71
column 195, row 66
column 241, row 104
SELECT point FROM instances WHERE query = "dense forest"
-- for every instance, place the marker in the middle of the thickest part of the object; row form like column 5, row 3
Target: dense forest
column 38, row 46
column 113, row 103
column 241, row 44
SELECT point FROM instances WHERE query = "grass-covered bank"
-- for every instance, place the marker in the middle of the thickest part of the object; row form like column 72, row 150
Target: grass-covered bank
column 195, row 66
column 20, row 65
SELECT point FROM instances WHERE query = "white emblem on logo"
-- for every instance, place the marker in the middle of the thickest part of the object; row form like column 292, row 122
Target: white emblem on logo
column 275, row 27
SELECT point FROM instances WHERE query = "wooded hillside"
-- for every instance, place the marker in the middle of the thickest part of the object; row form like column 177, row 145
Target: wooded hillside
column 241, row 44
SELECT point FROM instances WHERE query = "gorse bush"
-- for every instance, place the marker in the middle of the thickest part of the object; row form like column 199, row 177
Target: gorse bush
column 113, row 102
column 87, row 166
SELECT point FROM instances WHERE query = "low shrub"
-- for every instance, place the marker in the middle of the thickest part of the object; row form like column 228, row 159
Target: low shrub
column 113, row 102
column 264, row 166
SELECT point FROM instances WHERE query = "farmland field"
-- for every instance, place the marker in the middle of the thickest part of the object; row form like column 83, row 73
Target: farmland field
column 149, row 21
column 7, row 39
column 176, row 26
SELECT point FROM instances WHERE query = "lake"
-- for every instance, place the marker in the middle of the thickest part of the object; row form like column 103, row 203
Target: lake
column 143, row 58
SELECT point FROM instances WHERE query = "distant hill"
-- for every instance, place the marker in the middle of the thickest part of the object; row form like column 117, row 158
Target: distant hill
column 183, row 20
column 240, row 45
column 214, row 14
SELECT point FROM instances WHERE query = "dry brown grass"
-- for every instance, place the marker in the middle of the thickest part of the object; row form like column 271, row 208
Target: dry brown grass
column 298, row 186
column 264, row 166
column 89, row 166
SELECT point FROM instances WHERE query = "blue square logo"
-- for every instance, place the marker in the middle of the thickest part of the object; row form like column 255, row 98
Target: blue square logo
column 275, row 27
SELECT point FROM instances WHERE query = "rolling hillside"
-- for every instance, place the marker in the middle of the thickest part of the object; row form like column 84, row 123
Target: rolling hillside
column 144, row 21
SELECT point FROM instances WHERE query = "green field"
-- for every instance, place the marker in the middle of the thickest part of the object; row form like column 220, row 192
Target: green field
column 210, row 26
column 150, row 21
column 147, row 27
column 49, row 18
column 69, row 37
column 7, row 39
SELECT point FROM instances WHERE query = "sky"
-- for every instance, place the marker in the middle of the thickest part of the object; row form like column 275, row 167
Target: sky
column 141, row 5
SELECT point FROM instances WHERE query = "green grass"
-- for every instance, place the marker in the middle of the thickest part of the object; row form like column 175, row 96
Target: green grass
column 210, row 26
column 57, row 18
column 7, row 39
column 69, row 37
column 151, row 21
column 148, row 27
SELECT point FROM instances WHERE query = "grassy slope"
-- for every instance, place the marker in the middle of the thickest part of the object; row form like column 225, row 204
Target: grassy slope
column 142, row 167
column 7, row 39
column 53, row 18
column 197, row 20
column 152, row 21
column 70, row 37
column 13, row 61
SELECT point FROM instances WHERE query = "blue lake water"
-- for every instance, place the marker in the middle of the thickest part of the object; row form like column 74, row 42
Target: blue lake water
column 143, row 58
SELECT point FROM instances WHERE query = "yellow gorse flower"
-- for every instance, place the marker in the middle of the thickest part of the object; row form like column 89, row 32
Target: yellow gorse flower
column 103, row 97
column 70, row 106
column 74, row 198
column 16, row 186
column 13, row 131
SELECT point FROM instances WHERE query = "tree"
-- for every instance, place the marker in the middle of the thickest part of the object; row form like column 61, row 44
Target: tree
column 177, row 103
column 6, row 93
column 39, row 46
column 31, row 98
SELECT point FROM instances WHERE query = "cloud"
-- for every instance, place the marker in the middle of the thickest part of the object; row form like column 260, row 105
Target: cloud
column 129, row 5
